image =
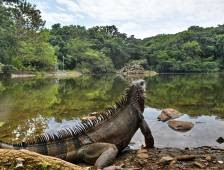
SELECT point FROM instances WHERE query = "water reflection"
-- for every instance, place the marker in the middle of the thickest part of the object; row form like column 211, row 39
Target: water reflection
column 204, row 133
column 32, row 106
column 197, row 94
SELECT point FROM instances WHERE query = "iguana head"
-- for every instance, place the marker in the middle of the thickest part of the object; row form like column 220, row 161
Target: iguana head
column 139, row 84
column 135, row 94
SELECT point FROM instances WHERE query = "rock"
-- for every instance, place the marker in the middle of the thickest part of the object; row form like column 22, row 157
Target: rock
column 182, row 126
column 220, row 140
column 220, row 158
column 198, row 164
column 122, row 165
column 142, row 154
column 20, row 159
column 142, row 151
column 168, row 113
column 141, row 162
column 19, row 163
column 166, row 160
column 220, row 162
column 132, row 69
column 208, row 158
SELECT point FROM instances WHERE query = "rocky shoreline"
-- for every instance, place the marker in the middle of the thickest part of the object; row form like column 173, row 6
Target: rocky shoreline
column 172, row 158
column 143, row 159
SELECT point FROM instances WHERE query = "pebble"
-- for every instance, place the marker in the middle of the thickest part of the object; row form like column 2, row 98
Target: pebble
column 166, row 160
column 141, row 162
column 20, row 160
column 208, row 158
column 142, row 151
column 221, row 162
column 198, row 164
column 143, row 155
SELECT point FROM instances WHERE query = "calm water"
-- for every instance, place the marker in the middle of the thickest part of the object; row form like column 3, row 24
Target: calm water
column 29, row 107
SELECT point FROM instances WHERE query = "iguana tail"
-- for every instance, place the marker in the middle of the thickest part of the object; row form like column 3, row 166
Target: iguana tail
column 6, row 146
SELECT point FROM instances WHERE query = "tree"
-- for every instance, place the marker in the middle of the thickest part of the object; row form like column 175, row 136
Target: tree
column 8, row 42
column 192, row 49
column 37, row 54
column 82, row 56
column 27, row 17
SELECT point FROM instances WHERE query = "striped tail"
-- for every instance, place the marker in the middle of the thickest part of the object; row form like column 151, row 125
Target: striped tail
column 6, row 146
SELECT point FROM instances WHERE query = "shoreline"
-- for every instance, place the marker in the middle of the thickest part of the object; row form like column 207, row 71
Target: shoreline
column 47, row 74
column 172, row 158
column 66, row 73
column 141, row 159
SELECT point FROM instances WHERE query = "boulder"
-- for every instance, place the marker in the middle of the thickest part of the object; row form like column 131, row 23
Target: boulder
column 182, row 126
column 167, row 114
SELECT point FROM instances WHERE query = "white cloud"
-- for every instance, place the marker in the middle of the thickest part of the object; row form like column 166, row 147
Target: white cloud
column 139, row 17
column 54, row 17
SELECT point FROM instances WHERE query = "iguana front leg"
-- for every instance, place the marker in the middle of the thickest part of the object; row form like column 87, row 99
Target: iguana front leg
column 149, row 140
column 99, row 154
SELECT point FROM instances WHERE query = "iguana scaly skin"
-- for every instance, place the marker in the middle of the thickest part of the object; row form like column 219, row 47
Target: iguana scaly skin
column 96, row 140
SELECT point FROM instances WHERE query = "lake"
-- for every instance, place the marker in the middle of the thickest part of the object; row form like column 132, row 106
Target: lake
column 29, row 107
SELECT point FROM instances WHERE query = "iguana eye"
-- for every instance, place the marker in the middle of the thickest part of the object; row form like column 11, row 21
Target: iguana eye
column 142, row 83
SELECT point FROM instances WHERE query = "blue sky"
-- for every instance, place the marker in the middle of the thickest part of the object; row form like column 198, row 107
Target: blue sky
column 142, row 18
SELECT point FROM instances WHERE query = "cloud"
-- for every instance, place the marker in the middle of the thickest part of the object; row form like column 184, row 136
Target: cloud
column 54, row 14
column 141, row 18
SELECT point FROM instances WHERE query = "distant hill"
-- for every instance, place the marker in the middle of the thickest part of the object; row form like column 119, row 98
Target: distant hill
column 194, row 50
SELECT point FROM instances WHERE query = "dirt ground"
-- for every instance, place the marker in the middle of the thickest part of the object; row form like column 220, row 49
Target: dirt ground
column 143, row 159
column 172, row 159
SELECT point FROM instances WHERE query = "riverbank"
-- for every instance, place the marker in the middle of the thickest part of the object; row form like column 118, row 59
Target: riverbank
column 70, row 74
column 142, row 159
column 60, row 74
column 172, row 158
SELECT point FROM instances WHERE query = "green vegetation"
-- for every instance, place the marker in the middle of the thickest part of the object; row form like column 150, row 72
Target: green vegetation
column 94, row 50
column 195, row 50
column 26, row 45
column 23, row 42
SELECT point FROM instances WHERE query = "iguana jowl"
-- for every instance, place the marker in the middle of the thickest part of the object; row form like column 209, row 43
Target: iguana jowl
column 98, row 140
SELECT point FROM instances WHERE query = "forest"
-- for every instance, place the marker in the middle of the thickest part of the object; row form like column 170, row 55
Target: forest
column 27, row 45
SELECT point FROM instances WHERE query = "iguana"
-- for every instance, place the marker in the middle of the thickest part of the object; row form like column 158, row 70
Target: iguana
column 96, row 140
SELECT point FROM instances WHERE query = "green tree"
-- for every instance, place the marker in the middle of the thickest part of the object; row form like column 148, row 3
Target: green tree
column 192, row 49
column 8, row 42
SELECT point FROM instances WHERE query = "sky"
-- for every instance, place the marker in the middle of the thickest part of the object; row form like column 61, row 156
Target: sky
column 142, row 18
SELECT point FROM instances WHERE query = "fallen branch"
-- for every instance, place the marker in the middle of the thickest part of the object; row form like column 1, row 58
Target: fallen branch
column 186, row 157
column 23, row 159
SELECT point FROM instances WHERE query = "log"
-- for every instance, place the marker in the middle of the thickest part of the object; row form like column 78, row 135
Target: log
column 24, row 159
column 187, row 157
